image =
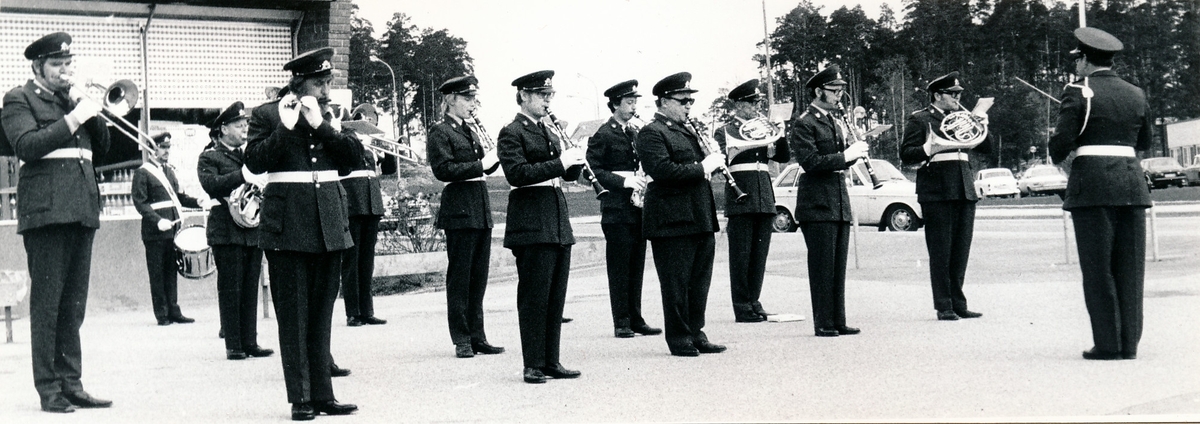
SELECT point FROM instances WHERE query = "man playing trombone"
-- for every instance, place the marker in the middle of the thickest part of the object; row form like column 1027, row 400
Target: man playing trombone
column 458, row 155
column 946, row 191
column 749, row 225
column 53, row 129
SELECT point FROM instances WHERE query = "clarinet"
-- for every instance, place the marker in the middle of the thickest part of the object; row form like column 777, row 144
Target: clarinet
column 587, row 169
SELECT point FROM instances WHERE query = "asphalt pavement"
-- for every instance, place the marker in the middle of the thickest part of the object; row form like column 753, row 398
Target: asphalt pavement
column 1019, row 362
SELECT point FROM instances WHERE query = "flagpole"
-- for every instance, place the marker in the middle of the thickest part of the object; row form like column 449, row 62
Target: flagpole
column 767, row 55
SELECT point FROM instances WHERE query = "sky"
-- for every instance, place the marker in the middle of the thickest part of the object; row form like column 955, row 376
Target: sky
column 594, row 44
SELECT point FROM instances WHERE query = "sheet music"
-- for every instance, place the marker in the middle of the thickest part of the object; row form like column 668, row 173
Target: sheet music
column 982, row 106
column 879, row 129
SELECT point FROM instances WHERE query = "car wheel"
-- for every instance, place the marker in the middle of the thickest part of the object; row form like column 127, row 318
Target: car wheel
column 783, row 222
column 901, row 218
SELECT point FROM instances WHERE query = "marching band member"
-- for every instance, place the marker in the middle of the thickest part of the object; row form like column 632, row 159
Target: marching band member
column 364, row 202
column 51, row 129
column 538, row 232
column 303, row 227
column 221, row 169
column 611, row 154
column 156, row 196
column 946, row 192
column 1103, row 119
column 749, row 225
column 680, row 215
column 818, row 143
column 457, row 155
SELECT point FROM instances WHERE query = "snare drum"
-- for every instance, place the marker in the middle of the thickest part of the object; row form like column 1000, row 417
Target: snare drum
column 193, row 254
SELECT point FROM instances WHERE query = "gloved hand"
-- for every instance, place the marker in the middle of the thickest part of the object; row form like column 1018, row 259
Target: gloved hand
column 164, row 225
column 490, row 159
column 856, row 151
column 635, row 182
column 311, row 111
column 336, row 120
column 713, row 162
column 572, row 157
column 983, row 118
column 85, row 110
column 259, row 180
column 289, row 111
column 120, row 109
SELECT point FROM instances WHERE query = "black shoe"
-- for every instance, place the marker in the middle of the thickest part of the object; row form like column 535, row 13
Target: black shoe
column 58, row 404
column 371, row 320
column 258, row 351
column 534, row 376
column 336, row 371
column 748, row 317
column 164, row 321
column 332, row 407
column 846, row 331
column 485, row 348
column 646, row 330
column 558, row 371
column 464, row 351
column 354, row 322
column 303, row 412
column 827, row 332
column 82, row 399
column 963, row 313
column 566, row 320
column 1128, row 355
column 707, row 347
column 180, row 319
column 235, row 355
column 1101, row 355
column 947, row 316
column 623, row 332
column 685, row 351
column 763, row 313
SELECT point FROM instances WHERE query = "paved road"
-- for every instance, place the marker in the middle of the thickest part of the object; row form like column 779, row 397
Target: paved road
column 1020, row 362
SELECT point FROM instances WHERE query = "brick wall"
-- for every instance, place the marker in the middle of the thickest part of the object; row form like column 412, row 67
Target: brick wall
column 328, row 25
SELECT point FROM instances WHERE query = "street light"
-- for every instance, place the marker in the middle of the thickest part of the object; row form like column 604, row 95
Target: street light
column 395, row 102
column 595, row 93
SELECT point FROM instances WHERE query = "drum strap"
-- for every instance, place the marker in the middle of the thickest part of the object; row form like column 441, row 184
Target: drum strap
column 162, row 179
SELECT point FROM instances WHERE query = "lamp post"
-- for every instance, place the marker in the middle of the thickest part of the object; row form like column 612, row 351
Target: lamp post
column 395, row 101
column 595, row 92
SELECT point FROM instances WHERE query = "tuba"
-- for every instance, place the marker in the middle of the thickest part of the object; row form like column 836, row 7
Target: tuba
column 245, row 202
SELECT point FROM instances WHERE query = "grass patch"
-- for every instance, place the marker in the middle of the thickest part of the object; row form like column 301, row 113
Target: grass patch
column 401, row 284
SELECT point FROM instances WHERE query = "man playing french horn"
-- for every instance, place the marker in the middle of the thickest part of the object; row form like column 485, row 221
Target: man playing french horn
column 611, row 155
column 946, row 188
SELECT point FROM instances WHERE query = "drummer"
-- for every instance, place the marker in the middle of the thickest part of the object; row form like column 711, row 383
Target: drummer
column 157, row 198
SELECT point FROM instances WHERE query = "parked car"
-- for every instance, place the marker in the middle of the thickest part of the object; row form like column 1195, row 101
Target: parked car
column 893, row 206
column 1042, row 179
column 1192, row 172
column 996, row 182
column 1163, row 172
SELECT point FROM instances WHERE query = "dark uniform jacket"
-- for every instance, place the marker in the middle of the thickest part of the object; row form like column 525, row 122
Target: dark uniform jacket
column 817, row 144
column 944, row 180
column 363, row 196
column 454, row 153
column 1119, row 117
column 301, row 217
column 220, row 172
column 679, row 201
column 760, row 194
column 611, row 149
column 529, row 155
column 52, row 191
column 146, row 191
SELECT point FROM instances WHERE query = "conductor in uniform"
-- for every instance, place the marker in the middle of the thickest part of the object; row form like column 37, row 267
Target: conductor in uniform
column 538, row 232
column 818, row 142
column 1103, row 120
column 303, row 228
column 54, row 131
column 946, row 192
column 613, row 159
column 749, row 219
column 680, row 215
column 457, row 155
column 221, row 170
column 156, row 196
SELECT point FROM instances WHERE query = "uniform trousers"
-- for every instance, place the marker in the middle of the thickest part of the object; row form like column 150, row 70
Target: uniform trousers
column 238, row 269
column 828, row 244
column 542, row 271
column 949, row 227
column 358, row 266
column 163, row 270
column 1112, row 258
column 684, row 265
column 749, row 243
column 59, row 259
column 304, row 287
column 469, row 253
column 625, row 258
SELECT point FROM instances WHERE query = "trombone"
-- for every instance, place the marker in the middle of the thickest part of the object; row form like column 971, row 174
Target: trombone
column 122, row 91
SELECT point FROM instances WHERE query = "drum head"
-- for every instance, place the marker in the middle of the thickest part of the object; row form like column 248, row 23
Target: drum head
column 191, row 239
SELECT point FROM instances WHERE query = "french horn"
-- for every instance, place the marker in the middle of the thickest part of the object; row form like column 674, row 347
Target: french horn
column 963, row 130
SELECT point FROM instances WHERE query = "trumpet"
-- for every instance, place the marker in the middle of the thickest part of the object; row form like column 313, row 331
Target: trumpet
column 708, row 145
column 587, row 169
column 120, row 92
column 866, row 160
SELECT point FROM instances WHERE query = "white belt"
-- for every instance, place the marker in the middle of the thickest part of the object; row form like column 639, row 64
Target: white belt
column 162, row 205
column 303, row 177
column 362, row 173
column 69, row 153
column 752, row 166
column 470, row 180
column 553, row 182
column 945, row 156
column 1110, row 150
column 625, row 174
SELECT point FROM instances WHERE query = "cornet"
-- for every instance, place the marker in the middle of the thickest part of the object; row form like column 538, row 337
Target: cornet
column 587, row 169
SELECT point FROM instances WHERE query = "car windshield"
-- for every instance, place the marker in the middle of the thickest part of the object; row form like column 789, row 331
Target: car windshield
column 995, row 173
column 1041, row 172
column 1166, row 163
column 884, row 170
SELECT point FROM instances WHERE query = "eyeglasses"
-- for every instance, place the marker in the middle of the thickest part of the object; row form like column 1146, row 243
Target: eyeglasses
column 684, row 100
column 547, row 95
column 953, row 93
